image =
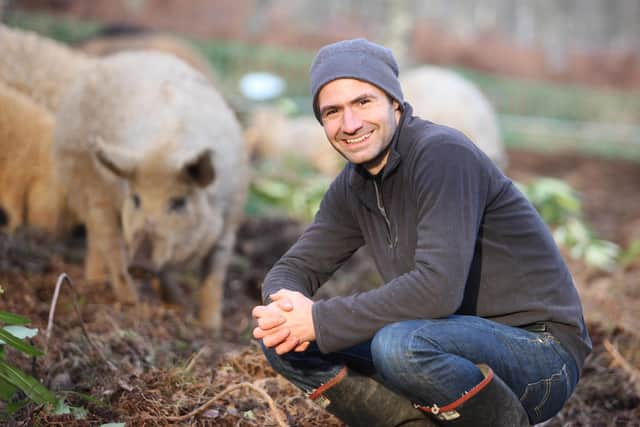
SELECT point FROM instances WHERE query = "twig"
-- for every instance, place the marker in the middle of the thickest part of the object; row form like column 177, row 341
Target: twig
column 195, row 358
column 624, row 364
column 52, row 310
column 227, row 390
column 62, row 278
column 239, row 367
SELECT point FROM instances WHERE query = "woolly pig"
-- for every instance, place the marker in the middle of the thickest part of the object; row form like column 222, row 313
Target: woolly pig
column 114, row 43
column 36, row 66
column 29, row 192
column 271, row 135
column 443, row 96
column 158, row 169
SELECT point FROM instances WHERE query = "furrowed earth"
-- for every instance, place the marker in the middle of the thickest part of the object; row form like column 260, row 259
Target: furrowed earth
column 152, row 364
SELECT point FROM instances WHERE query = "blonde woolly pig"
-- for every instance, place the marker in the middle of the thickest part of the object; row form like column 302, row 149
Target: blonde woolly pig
column 273, row 135
column 158, row 169
column 39, row 67
column 29, row 192
column 443, row 96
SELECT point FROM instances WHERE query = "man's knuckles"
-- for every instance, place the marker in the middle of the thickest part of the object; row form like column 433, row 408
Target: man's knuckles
column 289, row 344
column 275, row 338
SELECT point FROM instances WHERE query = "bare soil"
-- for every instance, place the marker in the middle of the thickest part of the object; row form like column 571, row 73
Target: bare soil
column 154, row 365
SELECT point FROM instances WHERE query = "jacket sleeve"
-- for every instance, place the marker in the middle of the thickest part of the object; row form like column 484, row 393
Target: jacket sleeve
column 325, row 245
column 451, row 186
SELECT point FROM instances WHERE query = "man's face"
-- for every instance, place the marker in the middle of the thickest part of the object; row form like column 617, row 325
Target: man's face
column 359, row 121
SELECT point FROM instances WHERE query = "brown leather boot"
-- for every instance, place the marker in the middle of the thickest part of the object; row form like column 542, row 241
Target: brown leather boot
column 360, row 401
column 491, row 403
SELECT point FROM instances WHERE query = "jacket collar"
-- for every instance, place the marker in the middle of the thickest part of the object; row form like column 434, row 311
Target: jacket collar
column 358, row 174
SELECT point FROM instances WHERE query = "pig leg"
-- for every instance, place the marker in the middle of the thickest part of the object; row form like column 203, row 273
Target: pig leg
column 105, row 241
column 212, row 290
column 13, row 205
column 95, row 269
column 170, row 289
column 44, row 207
column 95, row 266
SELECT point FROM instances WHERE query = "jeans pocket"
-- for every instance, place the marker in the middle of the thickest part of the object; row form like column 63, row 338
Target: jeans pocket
column 543, row 399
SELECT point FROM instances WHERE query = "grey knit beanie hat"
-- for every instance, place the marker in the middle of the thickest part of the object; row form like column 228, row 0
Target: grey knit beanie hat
column 357, row 59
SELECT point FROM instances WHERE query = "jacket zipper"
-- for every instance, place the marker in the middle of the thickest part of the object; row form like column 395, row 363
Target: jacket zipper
column 391, row 240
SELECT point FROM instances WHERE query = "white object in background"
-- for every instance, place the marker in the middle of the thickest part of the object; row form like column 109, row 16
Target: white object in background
column 261, row 86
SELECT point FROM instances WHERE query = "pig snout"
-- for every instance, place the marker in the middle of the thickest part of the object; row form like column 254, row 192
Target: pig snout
column 141, row 266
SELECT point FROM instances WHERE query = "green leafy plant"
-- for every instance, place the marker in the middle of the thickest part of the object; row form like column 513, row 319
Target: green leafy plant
column 631, row 254
column 560, row 207
column 296, row 193
column 13, row 380
column 13, row 332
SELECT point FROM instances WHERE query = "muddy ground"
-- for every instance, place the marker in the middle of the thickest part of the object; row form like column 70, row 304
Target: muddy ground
column 154, row 365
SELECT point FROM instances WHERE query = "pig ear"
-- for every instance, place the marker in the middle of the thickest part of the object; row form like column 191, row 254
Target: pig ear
column 114, row 160
column 200, row 169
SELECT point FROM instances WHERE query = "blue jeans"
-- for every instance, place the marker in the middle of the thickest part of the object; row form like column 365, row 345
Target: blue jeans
column 434, row 361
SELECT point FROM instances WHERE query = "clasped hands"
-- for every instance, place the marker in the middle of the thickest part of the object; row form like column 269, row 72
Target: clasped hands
column 285, row 324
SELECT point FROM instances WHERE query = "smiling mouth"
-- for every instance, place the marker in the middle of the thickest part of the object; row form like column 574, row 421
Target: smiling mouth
column 358, row 139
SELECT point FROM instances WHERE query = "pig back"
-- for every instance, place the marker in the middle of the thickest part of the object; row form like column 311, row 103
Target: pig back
column 446, row 97
column 38, row 66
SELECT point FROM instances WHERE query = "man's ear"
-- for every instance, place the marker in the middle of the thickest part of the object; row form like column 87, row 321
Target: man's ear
column 397, row 110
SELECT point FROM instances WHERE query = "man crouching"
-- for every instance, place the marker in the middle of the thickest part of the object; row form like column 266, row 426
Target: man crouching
column 478, row 322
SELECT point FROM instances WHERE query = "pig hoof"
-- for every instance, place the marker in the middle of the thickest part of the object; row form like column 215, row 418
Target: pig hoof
column 141, row 271
column 128, row 299
column 212, row 323
column 126, row 293
column 96, row 277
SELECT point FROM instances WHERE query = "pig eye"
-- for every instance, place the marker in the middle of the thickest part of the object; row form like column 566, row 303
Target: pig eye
column 136, row 200
column 177, row 203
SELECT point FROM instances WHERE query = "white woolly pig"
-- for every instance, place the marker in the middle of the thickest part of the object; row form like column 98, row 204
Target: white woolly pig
column 37, row 66
column 30, row 194
column 114, row 43
column 273, row 135
column 445, row 97
column 157, row 167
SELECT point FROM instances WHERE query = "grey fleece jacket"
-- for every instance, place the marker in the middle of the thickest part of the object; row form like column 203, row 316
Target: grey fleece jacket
column 449, row 234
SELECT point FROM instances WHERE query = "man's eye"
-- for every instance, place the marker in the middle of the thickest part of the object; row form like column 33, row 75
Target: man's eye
column 365, row 101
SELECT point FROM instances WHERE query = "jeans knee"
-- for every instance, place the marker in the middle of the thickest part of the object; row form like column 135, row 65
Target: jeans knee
column 390, row 349
column 307, row 370
column 272, row 357
column 280, row 363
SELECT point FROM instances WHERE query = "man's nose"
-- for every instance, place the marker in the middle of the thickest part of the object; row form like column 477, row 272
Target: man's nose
column 351, row 121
